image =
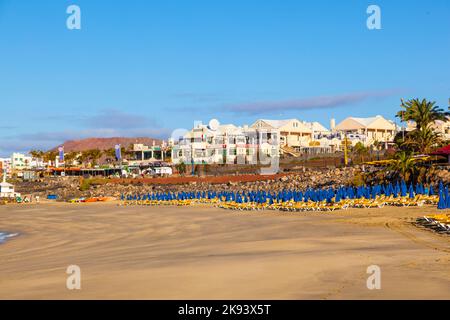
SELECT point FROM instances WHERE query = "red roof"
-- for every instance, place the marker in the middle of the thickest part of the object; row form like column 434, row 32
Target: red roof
column 64, row 169
column 445, row 151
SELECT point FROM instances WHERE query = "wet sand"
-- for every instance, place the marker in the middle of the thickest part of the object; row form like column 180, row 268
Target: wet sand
column 209, row 253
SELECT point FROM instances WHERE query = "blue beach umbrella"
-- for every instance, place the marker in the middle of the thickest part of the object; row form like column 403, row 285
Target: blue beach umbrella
column 394, row 192
column 411, row 193
column 389, row 190
column 441, row 203
column 337, row 198
column 422, row 188
column 403, row 188
column 417, row 189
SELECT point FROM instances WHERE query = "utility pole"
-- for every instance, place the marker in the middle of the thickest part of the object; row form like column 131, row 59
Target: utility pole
column 345, row 149
column 192, row 160
column 402, row 120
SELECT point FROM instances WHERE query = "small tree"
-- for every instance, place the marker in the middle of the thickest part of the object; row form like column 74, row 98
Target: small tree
column 360, row 150
column 181, row 168
column 377, row 146
column 83, row 157
column 110, row 154
column 50, row 156
column 70, row 157
column 95, row 155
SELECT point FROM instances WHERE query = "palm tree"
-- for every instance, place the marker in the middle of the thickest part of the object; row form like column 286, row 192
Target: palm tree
column 90, row 156
column 404, row 165
column 422, row 140
column 83, row 157
column 110, row 154
column 377, row 146
column 422, row 112
column 70, row 157
column 95, row 155
column 50, row 156
column 128, row 152
column 37, row 154
column 360, row 150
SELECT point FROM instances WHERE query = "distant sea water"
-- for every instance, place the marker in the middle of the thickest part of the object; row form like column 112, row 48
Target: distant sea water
column 5, row 236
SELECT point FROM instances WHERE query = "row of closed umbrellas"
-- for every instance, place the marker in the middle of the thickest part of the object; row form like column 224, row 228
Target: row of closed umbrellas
column 399, row 189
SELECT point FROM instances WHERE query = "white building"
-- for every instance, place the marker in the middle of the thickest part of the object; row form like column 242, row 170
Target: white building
column 367, row 130
column 318, row 130
column 20, row 161
column 293, row 133
column 442, row 128
column 216, row 144
column 37, row 163
column 438, row 126
column 148, row 154
column 7, row 190
column 5, row 164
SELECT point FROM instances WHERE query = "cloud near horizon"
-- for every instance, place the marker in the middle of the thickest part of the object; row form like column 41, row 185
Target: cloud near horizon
column 113, row 118
column 320, row 102
column 108, row 123
column 48, row 140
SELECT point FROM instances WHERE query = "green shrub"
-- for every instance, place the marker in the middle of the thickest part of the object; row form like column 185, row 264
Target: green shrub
column 85, row 184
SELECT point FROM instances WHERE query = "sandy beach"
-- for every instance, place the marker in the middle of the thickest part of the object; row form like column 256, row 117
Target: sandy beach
column 210, row 253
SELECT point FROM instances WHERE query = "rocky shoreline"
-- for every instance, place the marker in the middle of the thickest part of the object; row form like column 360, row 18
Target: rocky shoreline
column 71, row 187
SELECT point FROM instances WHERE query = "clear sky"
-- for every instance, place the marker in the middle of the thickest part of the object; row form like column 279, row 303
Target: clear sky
column 146, row 67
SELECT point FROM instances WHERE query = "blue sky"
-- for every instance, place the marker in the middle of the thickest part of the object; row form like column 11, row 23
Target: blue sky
column 144, row 68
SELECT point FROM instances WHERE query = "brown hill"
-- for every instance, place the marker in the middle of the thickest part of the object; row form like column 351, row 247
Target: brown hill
column 105, row 143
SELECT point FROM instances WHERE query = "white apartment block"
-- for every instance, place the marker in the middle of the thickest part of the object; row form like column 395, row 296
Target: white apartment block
column 20, row 162
column 217, row 144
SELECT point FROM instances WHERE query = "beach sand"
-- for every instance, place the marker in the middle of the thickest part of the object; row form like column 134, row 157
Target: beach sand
column 210, row 253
